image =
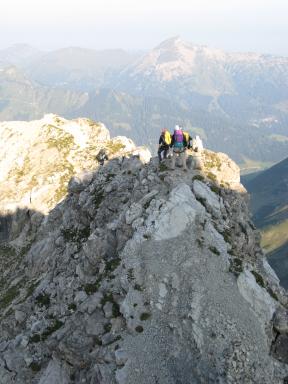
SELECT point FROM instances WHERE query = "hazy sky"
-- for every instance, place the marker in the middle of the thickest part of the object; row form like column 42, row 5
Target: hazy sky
column 243, row 25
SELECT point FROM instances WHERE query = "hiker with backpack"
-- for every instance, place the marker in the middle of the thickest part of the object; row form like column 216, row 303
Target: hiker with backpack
column 179, row 145
column 102, row 156
column 188, row 138
column 164, row 144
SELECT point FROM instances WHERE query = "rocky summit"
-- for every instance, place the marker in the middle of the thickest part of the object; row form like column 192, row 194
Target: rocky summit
column 139, row 274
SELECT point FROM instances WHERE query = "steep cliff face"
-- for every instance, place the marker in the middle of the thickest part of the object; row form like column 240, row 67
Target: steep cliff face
column 143, row 274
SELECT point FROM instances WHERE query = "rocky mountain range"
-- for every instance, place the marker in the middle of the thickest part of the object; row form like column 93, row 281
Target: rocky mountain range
column 137, row 273
column 20, row 55
column 237, row 102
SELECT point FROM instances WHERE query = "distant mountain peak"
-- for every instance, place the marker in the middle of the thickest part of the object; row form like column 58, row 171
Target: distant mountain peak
column 171, row 42
column 175, row 57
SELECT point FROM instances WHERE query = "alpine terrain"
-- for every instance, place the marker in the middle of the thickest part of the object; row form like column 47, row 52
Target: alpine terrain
column 269, row 195
column 130, row 272
column 236, row 102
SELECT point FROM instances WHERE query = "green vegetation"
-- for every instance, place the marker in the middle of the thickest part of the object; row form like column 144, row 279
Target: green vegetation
column 92, row 287
column 59, row 121
column 200, row 242
column 72, row 306
column 138, row 287
column 19, row 173
column 61, row 191
column 130, row 275
column 214, row 250
column 275, row 236
column 260, row 281
column 31, row 288
column 198, row 177
column 211, row 176
column 258, row 278
column 139, row 329
column 57, row 324
column 227, row 236
column 108, row 297
column 35, row 367
column 53, row 327
column 236, row 266
column 9, row 296
column 75, row 234
column 107, row 327
column 212, row 161
column 62, row 141
column 114, row 147
column 215, row 189
column 35, row 338
column 6, row 251
column 98, row 198
column 110, row 176
column 249, row 165
column 97, row 341
column 145, row 316
column 111, row 265
column 43, row 300
column 272, row 294
column 163, row 167
column 279, row 138
column 116, row 310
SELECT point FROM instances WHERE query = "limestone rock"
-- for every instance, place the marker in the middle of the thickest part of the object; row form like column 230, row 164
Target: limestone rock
column 138, row 275
column 281, row 321
column 55, row 374
column 20, row 316
column 133, row 213
column 260, row 300
column 207, row 197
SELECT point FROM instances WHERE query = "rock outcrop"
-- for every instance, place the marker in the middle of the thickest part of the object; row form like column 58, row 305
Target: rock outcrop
column 144, row 275
column 39, row 158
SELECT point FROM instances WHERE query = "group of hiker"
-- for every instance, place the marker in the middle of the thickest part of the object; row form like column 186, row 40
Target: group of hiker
column 179, row 142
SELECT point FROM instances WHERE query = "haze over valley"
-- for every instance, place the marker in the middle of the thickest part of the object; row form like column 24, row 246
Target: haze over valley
column 129, row 254
column 237, row 102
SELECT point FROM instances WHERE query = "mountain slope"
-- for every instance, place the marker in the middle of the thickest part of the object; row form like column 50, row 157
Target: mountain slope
column 237, row 102
column 269, row 196
column 142, row 275
column 78, row 68
column 23, row 99
column 247, row 90
column 20, row 55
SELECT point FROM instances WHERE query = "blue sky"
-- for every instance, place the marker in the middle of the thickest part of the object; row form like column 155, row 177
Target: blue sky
column 233, row 25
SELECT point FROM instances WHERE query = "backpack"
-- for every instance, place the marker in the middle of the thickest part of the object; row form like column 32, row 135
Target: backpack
column 187, row 136
column 178, row 139
column 167, row 138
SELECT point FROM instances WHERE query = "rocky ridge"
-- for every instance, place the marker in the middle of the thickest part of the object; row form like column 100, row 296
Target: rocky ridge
column 142, row 274
column 39, row 158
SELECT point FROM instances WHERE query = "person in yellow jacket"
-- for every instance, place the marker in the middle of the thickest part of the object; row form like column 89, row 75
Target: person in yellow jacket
column 188, row 139
column 164, row 144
